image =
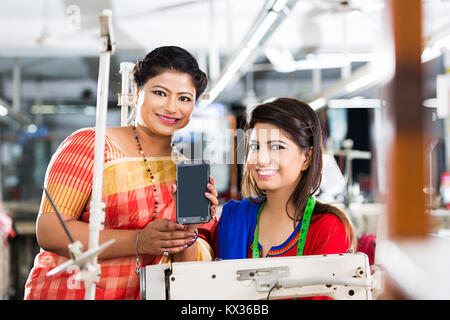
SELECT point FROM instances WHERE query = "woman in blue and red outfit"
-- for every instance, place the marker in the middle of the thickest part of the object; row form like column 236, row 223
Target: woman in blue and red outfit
column 279, row 215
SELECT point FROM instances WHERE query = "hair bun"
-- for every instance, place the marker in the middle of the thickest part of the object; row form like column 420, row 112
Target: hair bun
column 169, row 58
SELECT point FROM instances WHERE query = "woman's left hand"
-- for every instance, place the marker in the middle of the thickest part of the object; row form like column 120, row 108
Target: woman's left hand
column 211, row 196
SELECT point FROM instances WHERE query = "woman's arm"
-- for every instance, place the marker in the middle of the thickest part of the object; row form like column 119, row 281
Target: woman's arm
column 51, row 236
column 156, row 235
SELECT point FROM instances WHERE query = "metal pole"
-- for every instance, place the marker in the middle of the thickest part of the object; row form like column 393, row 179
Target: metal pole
column 97, row 213
column 126, row 96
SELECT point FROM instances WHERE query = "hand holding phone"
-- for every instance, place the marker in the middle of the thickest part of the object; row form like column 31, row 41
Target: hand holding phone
column 192, row 206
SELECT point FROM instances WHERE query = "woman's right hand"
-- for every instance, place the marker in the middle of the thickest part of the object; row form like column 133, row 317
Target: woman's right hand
column 164, row 235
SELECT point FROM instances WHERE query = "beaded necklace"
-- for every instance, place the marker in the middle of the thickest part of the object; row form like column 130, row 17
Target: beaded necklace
column 303, row 229
column 148, row 169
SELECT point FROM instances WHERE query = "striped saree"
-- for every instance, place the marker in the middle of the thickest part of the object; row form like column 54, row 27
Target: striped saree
column 129, row 197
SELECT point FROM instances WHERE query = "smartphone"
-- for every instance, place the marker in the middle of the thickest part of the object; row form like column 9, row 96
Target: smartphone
column 192, row 205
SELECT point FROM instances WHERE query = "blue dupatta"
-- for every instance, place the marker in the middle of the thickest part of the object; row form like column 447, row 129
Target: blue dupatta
column 236, row 227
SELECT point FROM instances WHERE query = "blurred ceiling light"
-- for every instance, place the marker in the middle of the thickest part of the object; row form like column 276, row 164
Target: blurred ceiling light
column 430, row 53
column 380, row 70
column 43, row 109
column 32, row 128
column 3, row 111
column 443, row 95
column 318, row 103
column 377, row 72
column 265, row 24
column 226, row 77
column 368, row 75
column 435, row 43
column 312, row 64
column 262, row 30
column 242, row 56
column 362, row 82
column 283, row 61
column 430, row 103
column 279, row 5
column 356, row 102
column 353, row 57
column 360, row 102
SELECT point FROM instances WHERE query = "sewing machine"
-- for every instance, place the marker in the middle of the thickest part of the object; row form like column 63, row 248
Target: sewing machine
column 339, row 276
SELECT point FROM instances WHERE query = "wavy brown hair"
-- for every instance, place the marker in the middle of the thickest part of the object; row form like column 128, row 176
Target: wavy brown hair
column 300, row 122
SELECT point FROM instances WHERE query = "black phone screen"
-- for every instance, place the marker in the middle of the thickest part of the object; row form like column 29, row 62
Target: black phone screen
column 192, row 205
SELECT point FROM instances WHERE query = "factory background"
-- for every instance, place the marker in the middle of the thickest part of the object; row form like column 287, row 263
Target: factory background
column 335, row 55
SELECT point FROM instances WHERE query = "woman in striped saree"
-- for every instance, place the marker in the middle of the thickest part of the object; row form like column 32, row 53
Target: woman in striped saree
column 138, row 187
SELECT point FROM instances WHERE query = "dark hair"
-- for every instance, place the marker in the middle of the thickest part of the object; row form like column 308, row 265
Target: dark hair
column 302, row 125
column 169, row 58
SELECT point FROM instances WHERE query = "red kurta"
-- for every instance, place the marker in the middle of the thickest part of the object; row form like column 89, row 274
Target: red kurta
column 326, row 235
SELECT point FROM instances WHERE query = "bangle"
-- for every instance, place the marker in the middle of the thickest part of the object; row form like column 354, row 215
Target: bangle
column 195, row 239
column 138, row 260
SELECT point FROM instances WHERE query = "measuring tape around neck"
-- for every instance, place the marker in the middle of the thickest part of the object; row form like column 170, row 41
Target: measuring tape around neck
column 303, row 229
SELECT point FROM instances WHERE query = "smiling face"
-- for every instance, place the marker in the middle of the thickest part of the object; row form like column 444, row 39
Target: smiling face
column 165, row 103
column 275, row 161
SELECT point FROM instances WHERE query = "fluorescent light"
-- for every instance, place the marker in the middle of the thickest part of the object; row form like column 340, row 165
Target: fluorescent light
column 443, row 95
column 430, row 103
column 43, row 109
column 433, row 50
column 3, row 111
column 281, row 59
column 279, row 5
column 231, row 70
column 430, row 53
column 362, row 82
column 318, row 103
column 32, row 128
column 354, row 103
column 262, row 30
column 259, row 31
column 310, row 64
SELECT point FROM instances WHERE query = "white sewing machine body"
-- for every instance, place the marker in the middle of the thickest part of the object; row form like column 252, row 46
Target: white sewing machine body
column 339, row 276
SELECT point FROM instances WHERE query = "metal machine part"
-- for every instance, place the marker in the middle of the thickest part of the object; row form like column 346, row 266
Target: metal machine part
column 339, row 276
